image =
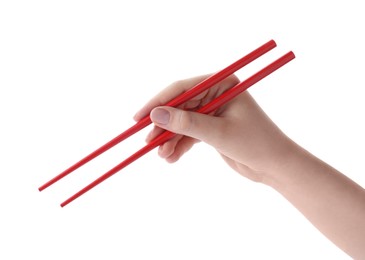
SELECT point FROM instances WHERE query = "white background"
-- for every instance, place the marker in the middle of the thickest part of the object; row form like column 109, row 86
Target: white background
column 72, row 75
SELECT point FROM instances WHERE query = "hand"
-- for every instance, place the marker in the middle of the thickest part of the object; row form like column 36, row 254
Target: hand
column 254, row 146
column 240, row 131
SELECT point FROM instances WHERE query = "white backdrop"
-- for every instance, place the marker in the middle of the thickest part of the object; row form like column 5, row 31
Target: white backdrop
column 72, row 75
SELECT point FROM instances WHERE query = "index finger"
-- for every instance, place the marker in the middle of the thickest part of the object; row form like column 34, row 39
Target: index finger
column 167, row 94
column 170, row 92
column 177, row 88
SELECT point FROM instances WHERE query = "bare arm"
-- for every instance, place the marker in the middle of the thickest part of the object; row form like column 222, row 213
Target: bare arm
column 328, row 199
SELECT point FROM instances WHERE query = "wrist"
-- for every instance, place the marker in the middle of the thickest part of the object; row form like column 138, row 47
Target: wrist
column 280, row 171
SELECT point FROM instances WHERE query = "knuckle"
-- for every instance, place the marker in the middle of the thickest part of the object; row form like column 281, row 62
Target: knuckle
column 185, row 121
column 176, row 84
column 234, row 79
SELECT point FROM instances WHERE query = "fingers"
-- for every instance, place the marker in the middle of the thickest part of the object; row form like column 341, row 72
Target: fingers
column 168, row 94
column 168, row 148
column 175, row 148
column 179, row 87
column 153, row 133
column 184, row 145
column 199, row 126
column 196, row 126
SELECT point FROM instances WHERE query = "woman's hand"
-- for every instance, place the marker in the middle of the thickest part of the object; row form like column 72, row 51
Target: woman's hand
column 253, row 146
column 240, row 131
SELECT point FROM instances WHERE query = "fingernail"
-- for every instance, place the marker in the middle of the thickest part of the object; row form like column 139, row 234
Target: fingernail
column 160, row 116
column 136, row 116
column 148, row 137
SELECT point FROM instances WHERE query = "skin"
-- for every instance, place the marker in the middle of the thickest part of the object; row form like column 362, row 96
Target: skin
column 256, row 148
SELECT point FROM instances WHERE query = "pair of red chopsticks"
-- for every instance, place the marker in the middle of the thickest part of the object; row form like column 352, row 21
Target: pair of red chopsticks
column 166, row 135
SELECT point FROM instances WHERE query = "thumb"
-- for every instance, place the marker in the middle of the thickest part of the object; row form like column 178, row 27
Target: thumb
column 199, row 126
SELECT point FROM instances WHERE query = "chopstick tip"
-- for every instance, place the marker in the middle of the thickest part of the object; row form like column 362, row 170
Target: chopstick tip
column 66, row 202
column 292, row 53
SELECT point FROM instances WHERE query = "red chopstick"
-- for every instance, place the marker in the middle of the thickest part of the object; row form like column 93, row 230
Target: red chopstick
column 199, row 88
column 211, row 106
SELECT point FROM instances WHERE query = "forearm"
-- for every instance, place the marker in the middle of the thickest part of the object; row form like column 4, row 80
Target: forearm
column 328, row 199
